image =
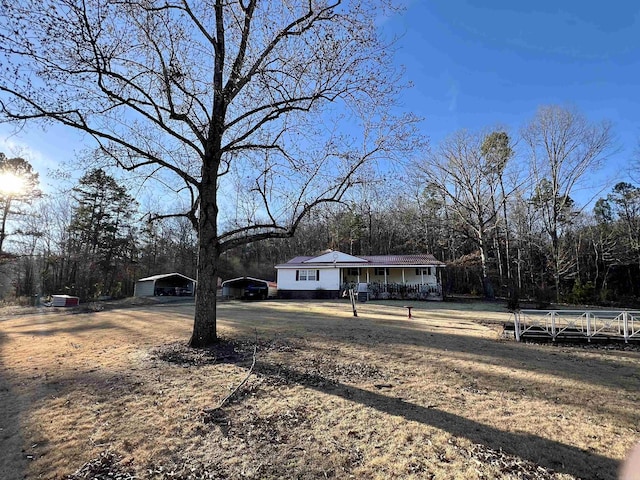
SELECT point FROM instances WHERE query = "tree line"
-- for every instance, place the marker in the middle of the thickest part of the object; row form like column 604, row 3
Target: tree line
column 90, row 241
column 503, row 214
column 251, row 115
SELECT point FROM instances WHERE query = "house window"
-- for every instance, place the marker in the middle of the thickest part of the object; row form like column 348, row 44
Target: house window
column 353, row 272
column 381, row 272
column 307, row 275
column 425, row 271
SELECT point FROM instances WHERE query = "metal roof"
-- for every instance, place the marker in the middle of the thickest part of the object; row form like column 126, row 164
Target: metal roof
column 424, row 260
column 239, row 279
column 165, row 275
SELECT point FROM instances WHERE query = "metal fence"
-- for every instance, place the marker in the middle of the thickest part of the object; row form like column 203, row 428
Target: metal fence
column 572, row 324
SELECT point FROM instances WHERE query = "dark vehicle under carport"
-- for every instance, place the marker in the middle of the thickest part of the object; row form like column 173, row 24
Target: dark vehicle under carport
column 249, row 288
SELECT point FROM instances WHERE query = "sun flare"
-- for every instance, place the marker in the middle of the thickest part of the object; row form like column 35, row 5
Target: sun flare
column 11, row 184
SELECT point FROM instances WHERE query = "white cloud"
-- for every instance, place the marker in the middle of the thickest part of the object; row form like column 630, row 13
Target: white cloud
column 13, row 146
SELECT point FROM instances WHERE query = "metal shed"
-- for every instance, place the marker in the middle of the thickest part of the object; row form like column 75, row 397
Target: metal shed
column 64, row 301
column 174, row 284
column 249, row 288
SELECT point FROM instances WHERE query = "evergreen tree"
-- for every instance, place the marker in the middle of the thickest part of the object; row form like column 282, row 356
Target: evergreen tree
column 102, row 234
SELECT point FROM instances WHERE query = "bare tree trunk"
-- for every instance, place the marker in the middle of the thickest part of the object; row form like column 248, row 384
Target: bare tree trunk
column 496, row 245
column 519, row 268
column 204, row 325
column 556, row 265
column 3, row 226
column 486, row 284
column 507, row 239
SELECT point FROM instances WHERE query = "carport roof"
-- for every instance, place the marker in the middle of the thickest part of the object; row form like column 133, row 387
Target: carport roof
column 239, row 279
column 166, row 275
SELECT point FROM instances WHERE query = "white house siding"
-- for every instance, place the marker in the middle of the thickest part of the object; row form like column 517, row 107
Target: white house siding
column 328, row 285
column 337, row 268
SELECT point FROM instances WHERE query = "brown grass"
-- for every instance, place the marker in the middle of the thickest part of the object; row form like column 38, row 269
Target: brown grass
column 332, row 396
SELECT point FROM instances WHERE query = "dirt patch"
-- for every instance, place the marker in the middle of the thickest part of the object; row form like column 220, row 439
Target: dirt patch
column 106, row 466
column 510, row 465
column 226, row 350
column 179, row 353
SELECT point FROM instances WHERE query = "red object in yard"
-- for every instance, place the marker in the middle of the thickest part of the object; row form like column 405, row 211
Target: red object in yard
column 64, row 301
column 408, row 311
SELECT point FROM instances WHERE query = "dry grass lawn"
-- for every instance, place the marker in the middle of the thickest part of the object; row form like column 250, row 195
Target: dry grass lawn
column 331, row 396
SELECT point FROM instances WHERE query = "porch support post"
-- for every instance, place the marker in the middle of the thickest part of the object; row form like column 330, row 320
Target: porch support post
column 403, row 280
column 368, row 275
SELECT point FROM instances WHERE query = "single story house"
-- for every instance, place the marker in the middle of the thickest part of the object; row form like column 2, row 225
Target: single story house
column 383, row 276
column 249, row 288
column 174, row 284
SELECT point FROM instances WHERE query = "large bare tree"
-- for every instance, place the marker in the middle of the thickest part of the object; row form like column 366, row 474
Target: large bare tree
column 497, row 150
column 467, row 173
column 565, row 148
column 272, row 105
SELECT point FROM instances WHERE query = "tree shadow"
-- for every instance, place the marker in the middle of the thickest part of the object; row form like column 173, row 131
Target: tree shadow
column 372, row 332
column 55, row 330
column 475, row 351
column 539, row 450
column 13, row 460
column 97, row 386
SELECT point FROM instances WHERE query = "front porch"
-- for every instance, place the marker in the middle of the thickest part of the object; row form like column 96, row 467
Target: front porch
column 388, row 283
column 396, row 291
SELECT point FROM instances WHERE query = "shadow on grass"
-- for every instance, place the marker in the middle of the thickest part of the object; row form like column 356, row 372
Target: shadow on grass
column 542, row 451
column 371, row 333
column 13, row 462
column 50, row 331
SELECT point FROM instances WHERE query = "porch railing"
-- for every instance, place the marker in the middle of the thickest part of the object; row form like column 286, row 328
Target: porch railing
column 400, row 291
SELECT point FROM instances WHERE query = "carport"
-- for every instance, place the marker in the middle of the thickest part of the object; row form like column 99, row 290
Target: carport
column 249, row 288
column 168, row 284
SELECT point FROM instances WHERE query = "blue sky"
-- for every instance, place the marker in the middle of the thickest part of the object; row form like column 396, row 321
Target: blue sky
column 480, row 63
column 476, row 64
